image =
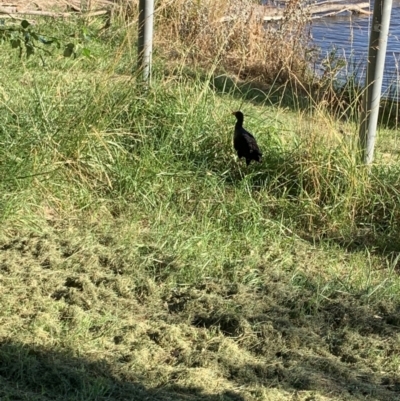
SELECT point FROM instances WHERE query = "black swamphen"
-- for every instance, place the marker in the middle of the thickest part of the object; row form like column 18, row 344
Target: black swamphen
column 244, row 143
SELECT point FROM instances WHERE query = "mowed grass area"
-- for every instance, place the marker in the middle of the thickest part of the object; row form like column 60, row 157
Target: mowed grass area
column 141, row 261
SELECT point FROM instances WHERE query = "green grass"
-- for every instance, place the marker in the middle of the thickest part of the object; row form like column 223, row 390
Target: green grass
column 141, row 260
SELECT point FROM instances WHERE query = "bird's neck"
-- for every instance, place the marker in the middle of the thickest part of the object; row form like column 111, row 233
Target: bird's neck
column 239, row 123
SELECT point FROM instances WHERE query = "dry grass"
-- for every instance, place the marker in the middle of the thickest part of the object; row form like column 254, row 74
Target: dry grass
column 59, row 5
column 227, row 36
column 90, row 315
column 231, row 37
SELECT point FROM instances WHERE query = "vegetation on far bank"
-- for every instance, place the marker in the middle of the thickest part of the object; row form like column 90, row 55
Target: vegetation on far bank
column 141, row 260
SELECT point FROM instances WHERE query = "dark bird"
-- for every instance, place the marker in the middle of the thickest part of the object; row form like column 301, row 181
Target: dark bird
column 244, row 143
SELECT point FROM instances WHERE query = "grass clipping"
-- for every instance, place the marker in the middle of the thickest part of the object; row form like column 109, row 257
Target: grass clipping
column 232, row 36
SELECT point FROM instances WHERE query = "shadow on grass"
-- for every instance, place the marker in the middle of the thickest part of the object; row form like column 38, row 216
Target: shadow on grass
column 277, row 94
column 375, row 216
column 255, row 92
column 317, row 201
column 35, row 374
column 331, row 349
column 344, row 103
column 279, row 326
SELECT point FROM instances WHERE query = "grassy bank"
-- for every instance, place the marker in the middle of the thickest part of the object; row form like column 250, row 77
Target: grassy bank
column 141, row 260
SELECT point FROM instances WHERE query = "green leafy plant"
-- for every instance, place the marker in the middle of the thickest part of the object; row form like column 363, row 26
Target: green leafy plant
column 28, row 41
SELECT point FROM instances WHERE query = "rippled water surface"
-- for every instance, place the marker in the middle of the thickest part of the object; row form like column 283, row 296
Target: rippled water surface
column 350, row 36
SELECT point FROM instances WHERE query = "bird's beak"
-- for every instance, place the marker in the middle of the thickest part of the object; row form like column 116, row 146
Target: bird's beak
column 234, row 113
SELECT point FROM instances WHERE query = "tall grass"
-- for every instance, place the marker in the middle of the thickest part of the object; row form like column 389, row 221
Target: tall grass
column 141, row 259
column 231, row 36
column 86, row 138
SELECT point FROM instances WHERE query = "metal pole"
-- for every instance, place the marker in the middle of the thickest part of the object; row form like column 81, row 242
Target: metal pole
column 145, row 37
column 373, row 80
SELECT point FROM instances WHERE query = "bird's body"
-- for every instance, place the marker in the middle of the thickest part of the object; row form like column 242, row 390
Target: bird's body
column 244, row 143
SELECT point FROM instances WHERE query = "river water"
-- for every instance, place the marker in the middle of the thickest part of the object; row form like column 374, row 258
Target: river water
column 348, row 36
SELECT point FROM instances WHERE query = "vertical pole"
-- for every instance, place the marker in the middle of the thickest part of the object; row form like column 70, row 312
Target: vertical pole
column 145, row 37
column 373, row 81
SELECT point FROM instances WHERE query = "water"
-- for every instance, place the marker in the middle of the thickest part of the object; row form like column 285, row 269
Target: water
column 349, row 35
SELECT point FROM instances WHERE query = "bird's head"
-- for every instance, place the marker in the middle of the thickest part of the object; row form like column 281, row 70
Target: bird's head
column 239, row 115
